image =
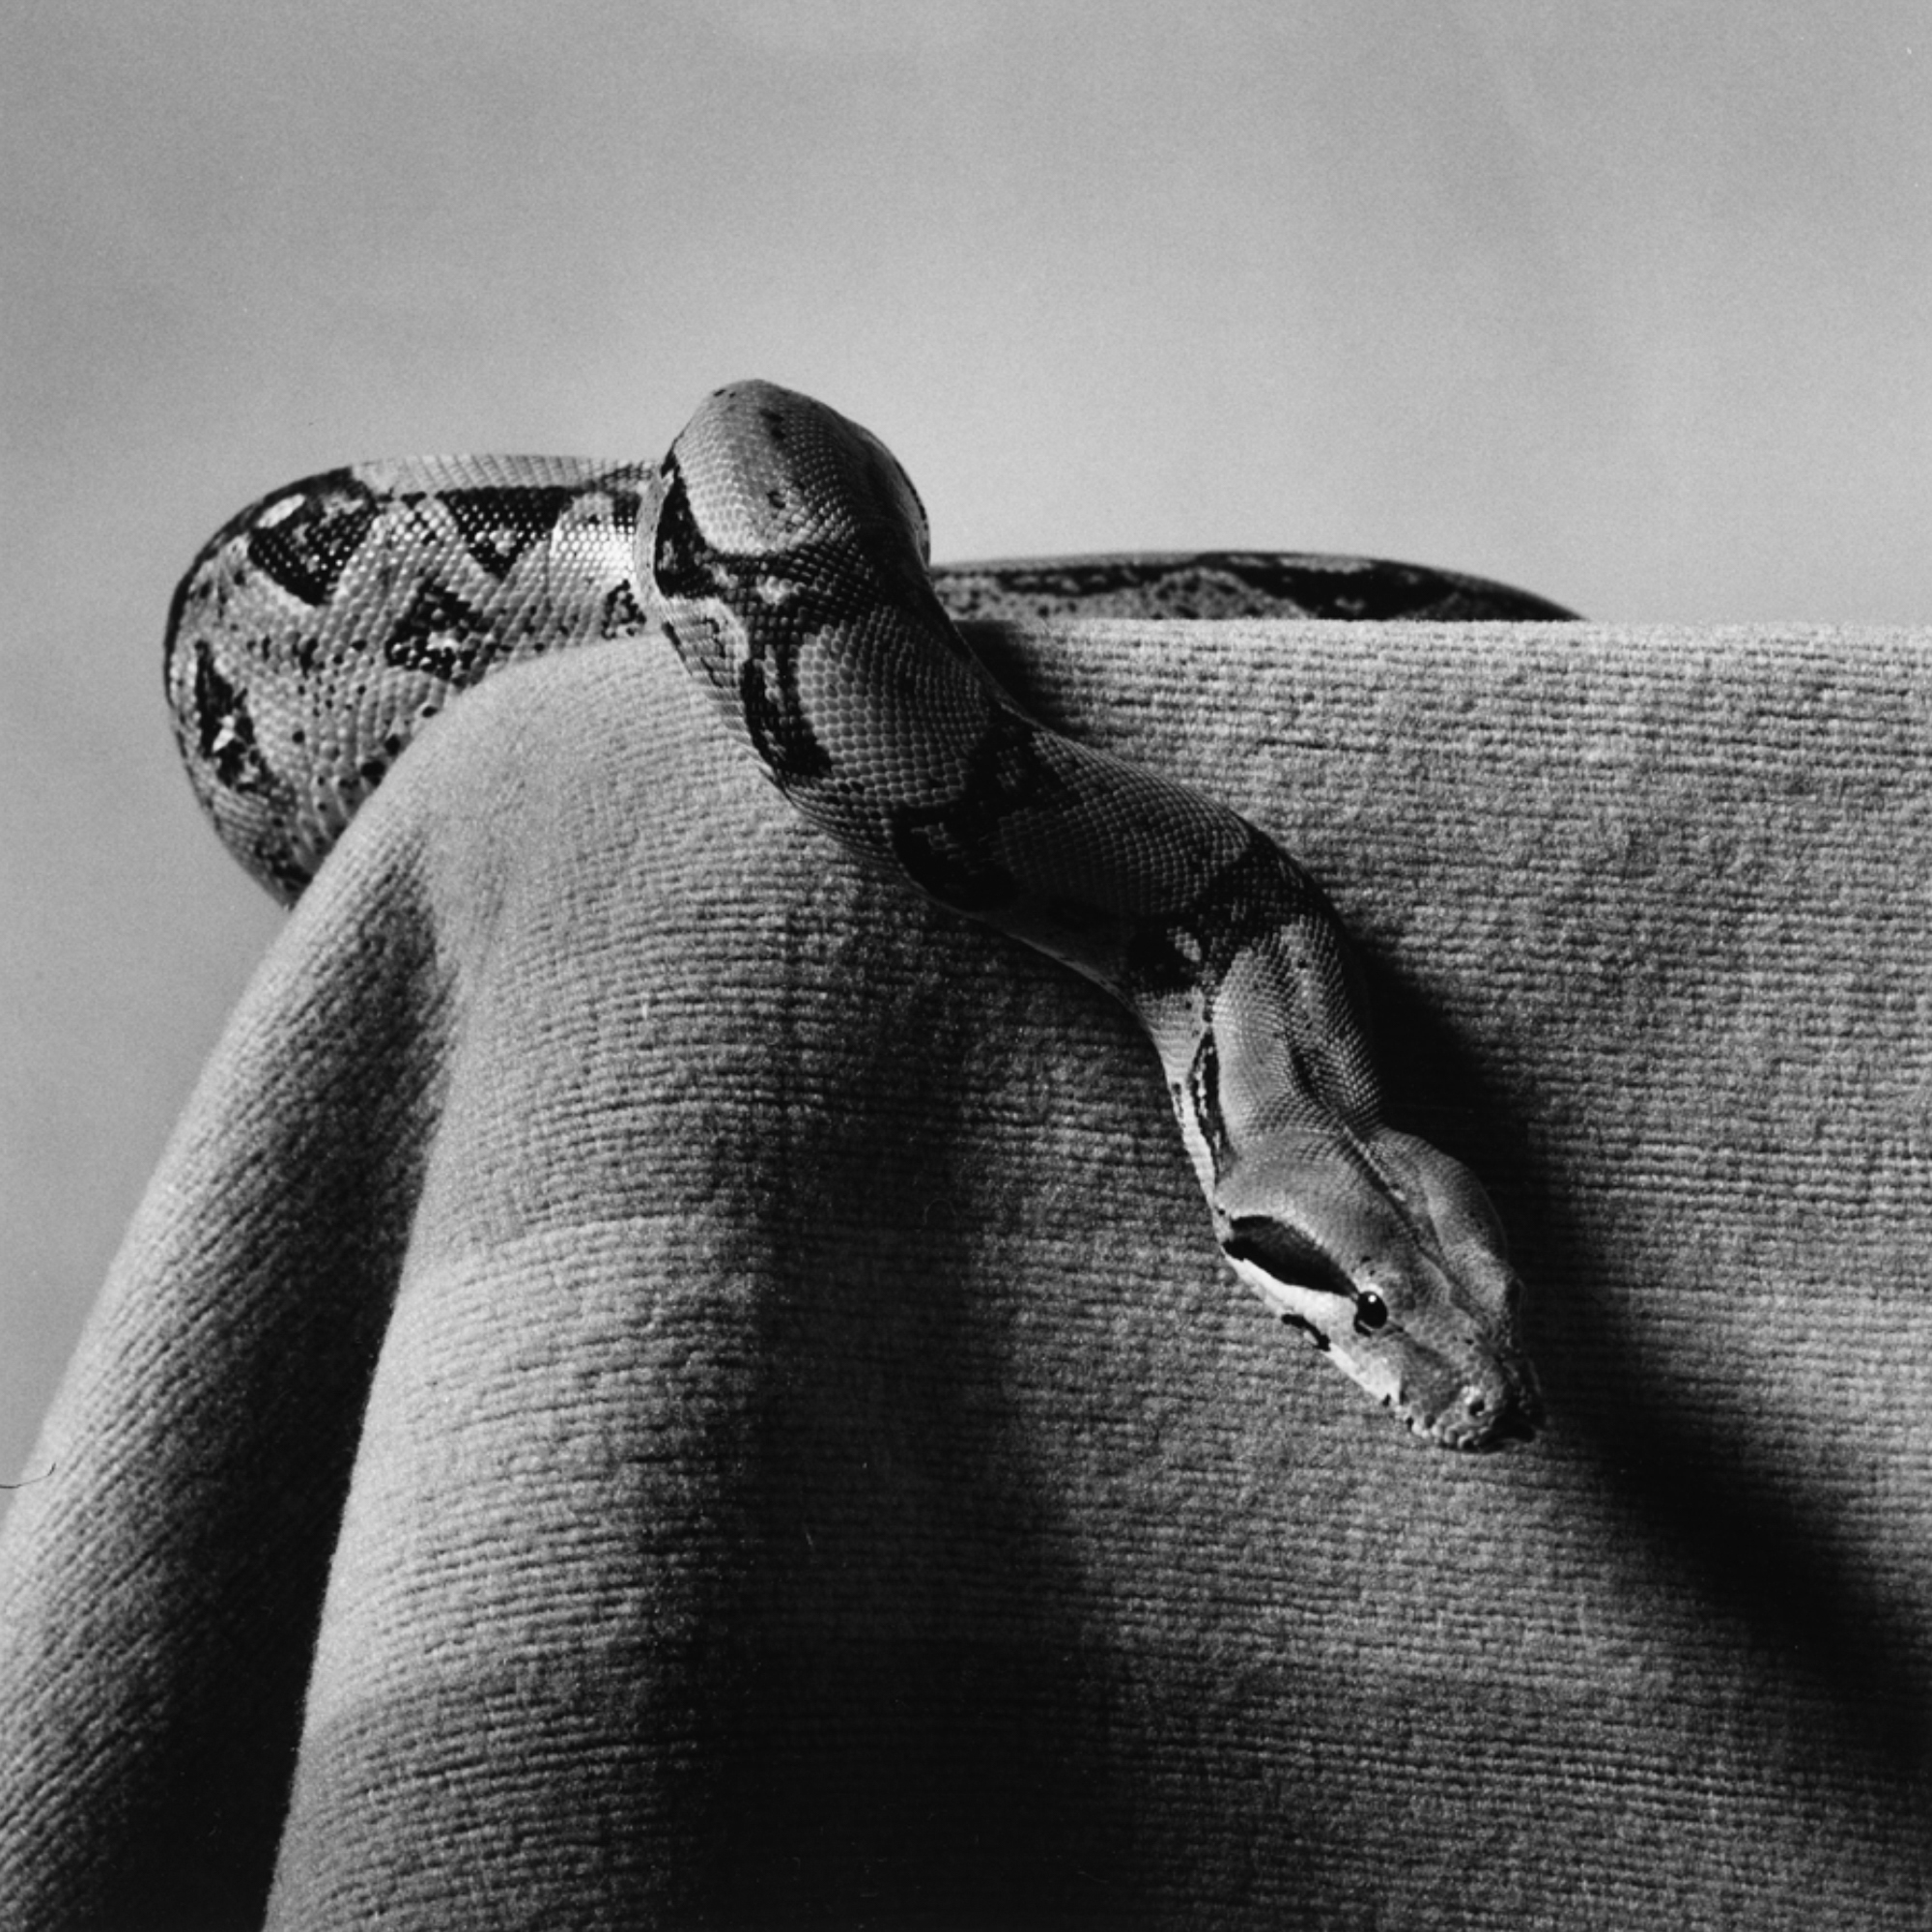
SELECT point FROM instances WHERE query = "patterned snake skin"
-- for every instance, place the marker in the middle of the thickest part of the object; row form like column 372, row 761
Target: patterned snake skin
column 783, row 551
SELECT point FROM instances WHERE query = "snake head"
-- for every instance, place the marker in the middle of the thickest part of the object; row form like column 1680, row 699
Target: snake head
column 1386, row 1253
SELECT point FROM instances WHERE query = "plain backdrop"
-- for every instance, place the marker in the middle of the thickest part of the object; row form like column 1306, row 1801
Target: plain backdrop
column 1629, row 301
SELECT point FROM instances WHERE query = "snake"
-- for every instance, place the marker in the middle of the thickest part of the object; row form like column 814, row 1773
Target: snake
column 782, row 552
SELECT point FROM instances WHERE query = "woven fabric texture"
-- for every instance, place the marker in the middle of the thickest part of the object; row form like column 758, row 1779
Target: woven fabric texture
column 663, row 1382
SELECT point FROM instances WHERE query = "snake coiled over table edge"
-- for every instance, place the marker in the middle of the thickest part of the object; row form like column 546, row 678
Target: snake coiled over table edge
column 782, row 552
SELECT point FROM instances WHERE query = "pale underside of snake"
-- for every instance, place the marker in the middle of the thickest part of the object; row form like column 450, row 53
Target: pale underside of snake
column 783, row 551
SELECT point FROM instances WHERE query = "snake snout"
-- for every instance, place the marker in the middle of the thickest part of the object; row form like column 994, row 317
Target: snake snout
column 1491, row 1418
column 1483, row 1405
column 1515, row 1421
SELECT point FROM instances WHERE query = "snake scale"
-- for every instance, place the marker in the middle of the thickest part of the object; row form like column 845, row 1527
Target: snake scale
column 782, row 552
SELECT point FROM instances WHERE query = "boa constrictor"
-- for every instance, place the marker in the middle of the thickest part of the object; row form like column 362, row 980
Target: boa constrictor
column 783, row 551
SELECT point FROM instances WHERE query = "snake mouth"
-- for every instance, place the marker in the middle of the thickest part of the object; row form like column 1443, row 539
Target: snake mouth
column 1484, row 1421
column 1513, row 1425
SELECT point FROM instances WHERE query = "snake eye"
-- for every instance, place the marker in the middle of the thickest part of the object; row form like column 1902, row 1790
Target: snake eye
column 1371, row 1312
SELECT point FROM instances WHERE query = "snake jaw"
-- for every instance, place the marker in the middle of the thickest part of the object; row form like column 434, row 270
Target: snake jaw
column 1420, row 1310
column 1452, row 1385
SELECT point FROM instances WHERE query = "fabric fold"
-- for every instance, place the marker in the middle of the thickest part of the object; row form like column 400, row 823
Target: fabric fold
column 662, row 1381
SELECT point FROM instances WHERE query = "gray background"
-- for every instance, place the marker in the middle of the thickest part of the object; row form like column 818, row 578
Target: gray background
column 1629, row 304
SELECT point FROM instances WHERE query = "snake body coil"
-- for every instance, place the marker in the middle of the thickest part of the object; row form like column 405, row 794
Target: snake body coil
column 783, row 551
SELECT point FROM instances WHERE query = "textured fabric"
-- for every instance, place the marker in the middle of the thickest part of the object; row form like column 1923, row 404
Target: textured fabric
column 664, row 1383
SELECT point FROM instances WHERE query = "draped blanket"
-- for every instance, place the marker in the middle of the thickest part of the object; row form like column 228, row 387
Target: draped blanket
column 663, row 1382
